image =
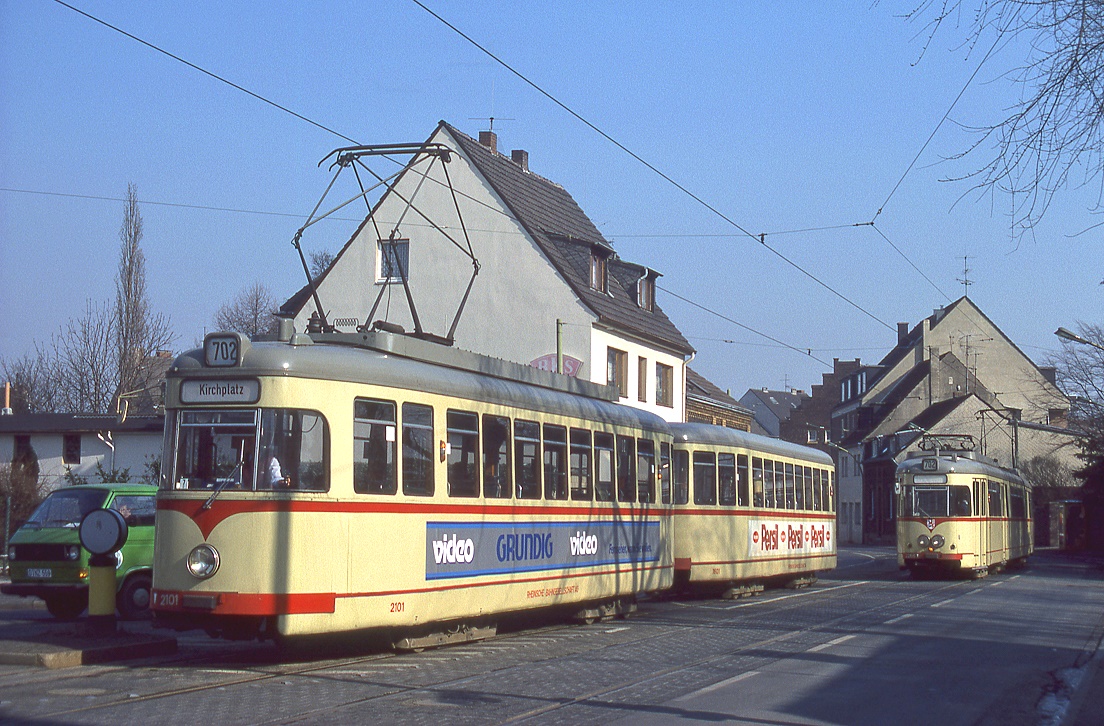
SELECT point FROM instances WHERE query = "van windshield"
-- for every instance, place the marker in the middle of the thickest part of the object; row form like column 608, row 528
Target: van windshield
column 66, row 508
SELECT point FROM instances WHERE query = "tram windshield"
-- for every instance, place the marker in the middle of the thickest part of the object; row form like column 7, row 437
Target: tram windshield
column 255, row 450
column 935, row 501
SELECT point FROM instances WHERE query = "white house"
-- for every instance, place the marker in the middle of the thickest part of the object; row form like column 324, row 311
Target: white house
column 545, row 274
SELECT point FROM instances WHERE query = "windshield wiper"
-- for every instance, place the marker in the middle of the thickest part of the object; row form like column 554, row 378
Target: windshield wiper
column 222, row 485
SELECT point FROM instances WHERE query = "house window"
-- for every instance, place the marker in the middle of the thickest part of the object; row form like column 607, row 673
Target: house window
column 394, row 260
column 811, row 436
column 617, row 373
column 72, row 450
column 642, row 379
column 665, row 376
column 598, row 279
column 645, row 293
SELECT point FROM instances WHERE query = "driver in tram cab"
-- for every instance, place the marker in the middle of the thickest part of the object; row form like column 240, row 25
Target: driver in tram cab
column 277, row 479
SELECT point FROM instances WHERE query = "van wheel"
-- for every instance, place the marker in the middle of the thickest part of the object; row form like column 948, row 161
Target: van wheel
column 133, row 599
column 67, row 607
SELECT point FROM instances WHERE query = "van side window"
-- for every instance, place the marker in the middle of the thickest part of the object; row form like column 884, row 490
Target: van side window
column 137, row 510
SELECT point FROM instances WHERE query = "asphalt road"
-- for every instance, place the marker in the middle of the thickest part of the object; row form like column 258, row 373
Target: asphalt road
column 864, row 645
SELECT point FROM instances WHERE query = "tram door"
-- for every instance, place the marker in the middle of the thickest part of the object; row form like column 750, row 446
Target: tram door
column 997, row 524
column 981, row 525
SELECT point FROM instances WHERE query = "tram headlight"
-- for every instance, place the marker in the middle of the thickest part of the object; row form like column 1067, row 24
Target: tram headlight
column 937, row 541
column 922, row 540
column 203, row 561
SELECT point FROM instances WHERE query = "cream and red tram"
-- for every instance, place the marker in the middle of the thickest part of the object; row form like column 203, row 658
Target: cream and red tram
column 961, row 513
column 749, row 509
column 379, row 482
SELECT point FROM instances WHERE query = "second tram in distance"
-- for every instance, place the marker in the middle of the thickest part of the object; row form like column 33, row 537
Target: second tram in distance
column 376, row 482
column 960, row 513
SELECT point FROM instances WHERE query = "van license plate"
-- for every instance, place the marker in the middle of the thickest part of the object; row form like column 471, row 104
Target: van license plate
column 40, row 573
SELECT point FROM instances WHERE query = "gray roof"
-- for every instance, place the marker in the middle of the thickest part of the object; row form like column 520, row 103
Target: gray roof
column 701, row 387
column 567, row 237
column 780, row 403
column 70, row 423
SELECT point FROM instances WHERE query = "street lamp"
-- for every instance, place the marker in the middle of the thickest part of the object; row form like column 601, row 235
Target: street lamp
column 1070, row 335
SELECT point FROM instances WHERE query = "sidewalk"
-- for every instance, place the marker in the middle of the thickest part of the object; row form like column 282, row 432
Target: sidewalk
column 75, row 644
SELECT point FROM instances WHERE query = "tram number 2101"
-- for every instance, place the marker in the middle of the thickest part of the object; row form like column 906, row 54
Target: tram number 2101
column 398, row 607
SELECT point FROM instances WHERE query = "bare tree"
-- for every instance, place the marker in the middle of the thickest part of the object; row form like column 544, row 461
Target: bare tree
column 320, row 261
column 1080, row 369
column 252, row 311
column 33, row 387
column 83, row 362
column 139, row 333
column 1056, row 128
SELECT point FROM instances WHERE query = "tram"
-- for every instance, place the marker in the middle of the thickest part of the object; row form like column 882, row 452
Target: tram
column 377, row 482
column 961, row 514
column 749, row 510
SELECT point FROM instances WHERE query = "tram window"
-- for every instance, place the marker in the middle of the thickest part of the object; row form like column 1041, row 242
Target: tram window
column 756, row 481
column 979, row 490
column 580, row 465
column 527, row 459
column 665, row 472
column 705, row 478
column 768, row 483
column 555, row 462
column 808, row 488
column 603, row 459
column 462, row 429
column 645, row 470
column 960, row 501
column 726, row 475
column 681, row 493
column 215, row 449
column 790, row 492
column 496, row 457
column 996, row 509
column 417, row 474
column 1017, row 508
column 799, row 484
column 374, row 465
column 742, row 480
column 626, row 469
column 294, row 450
column 818, row 501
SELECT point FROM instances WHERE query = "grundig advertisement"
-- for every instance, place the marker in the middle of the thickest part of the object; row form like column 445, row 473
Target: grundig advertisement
column 469, row 549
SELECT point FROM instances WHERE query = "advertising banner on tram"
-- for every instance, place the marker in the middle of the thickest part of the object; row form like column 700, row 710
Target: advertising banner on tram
column 468, row 549
column 773, row 537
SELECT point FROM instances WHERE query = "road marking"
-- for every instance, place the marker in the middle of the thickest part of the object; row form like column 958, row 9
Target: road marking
column 615, row 630
column 943, row 602
column 830, row 643
column 898, row 619
column 715, row 686
column 797, row 594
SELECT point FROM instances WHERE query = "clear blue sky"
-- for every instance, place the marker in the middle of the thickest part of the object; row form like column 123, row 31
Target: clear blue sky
column 783, row 118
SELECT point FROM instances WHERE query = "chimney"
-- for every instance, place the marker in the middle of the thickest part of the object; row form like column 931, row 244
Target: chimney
column 902, row 333
column 489, row 139
column 521, row 158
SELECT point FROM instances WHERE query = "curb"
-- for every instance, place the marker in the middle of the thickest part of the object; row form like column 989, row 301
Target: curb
column 62, row 657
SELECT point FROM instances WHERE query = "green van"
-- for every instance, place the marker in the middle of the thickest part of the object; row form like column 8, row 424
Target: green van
column 46, row 560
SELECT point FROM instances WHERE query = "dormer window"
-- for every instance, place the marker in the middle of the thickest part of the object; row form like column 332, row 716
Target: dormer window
column 645, row 293
column 599, row 279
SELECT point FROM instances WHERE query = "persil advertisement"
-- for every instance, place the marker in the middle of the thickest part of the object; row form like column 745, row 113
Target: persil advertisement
column 772, row 537
column 469, row 549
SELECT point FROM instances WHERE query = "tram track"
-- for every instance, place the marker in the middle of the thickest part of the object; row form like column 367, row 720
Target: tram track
column 723, row 616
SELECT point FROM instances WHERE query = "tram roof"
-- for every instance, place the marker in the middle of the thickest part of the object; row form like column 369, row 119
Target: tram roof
column 703, row 433
column 961, row 463
column 401, row 362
